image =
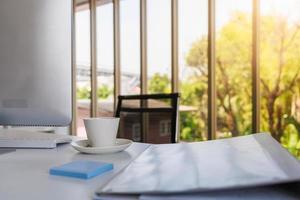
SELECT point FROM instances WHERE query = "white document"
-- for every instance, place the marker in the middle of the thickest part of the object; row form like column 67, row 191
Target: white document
column 239, row 162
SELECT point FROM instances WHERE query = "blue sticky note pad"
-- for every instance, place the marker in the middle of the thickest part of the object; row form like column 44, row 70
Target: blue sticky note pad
column 81, row 169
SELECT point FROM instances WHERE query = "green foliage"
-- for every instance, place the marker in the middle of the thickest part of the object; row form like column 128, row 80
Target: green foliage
column 159, row 84
column 280, row 78
column 233, row 74
column 291, row 139
column 193, row 124
column 104, row 92
column 190, row 127
column 291, row 135
column 85, row 92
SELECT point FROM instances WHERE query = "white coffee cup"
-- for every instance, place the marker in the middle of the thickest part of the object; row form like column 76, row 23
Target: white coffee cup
column 102, row 131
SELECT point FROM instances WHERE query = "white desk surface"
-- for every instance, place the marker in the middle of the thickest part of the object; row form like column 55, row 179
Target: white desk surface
column 24, row 173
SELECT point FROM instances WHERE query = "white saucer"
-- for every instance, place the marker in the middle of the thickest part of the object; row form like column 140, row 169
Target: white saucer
column 82, row 146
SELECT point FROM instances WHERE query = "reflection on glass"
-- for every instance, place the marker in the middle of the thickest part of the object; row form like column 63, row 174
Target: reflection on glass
column 233, row 67
column 193, row 69
column 83, row 65
column 130, row 46
column 280, row 67
column 130, row 126
column 105, row 58
column 159, row 46
column 158, row 124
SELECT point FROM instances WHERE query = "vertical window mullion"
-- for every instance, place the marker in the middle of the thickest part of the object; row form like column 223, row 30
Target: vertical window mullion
column 143, row 78
column 212, row 120
column 94, row 103
column 255, row 67
column 117, row 50
column 143, row 27
column 73, row 128
column 175, row 55
column 174, row 17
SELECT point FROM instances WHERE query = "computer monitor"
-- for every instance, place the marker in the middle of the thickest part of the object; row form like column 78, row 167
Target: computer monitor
column 35, row 62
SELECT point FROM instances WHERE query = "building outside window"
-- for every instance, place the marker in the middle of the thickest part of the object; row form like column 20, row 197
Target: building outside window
column 136, row 132
column 164, row 128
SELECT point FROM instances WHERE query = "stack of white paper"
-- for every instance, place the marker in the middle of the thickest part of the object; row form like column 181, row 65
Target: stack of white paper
column 239, row 162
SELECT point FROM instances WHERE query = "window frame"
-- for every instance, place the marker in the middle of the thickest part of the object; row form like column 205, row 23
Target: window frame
column 212, row 118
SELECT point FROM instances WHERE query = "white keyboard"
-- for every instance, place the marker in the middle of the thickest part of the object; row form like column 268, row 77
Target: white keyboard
column 29, row 139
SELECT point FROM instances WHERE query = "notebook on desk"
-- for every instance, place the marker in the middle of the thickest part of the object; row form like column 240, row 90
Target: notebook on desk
column 240, row 162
